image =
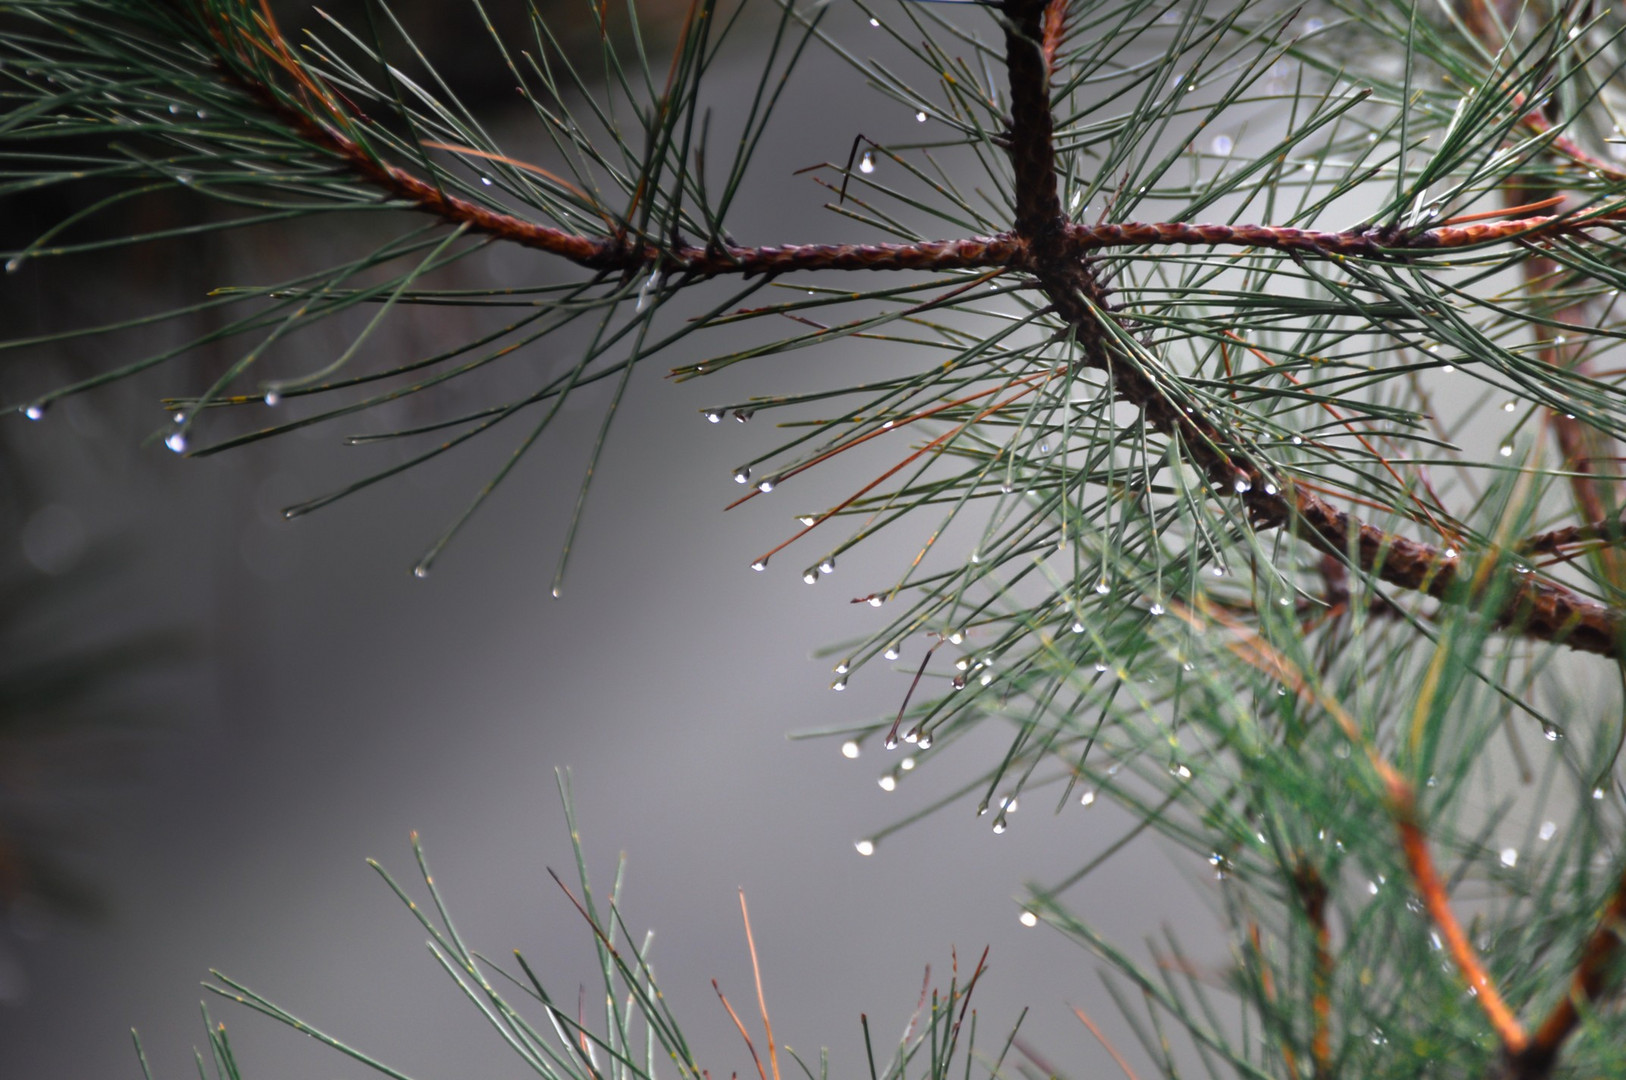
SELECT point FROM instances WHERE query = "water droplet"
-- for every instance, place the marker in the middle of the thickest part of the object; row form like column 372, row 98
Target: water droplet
column 179, row 418
column 1180, row 771
column 176, row 441
column 272, row 397
column 999, row 825
column 849, row 750
column 875, row 22
column 1506, row 450
column 13, row 263
column 651, row 285
column 714, row 416
column 959, row 682
column 1450, row 553
column 1219, row 571
column 888, row 782
column 1076, row 201
column 839, row 685
column 486, row 180
column 742, row 416
column 1509, row 406
column 742, row 474
column 421, row 570
column 760, row 565
column 1222, row 145
column 174, row 110
column 1597, row 793
column 765, row 485
column 1297, row 441
column 866, row 164
column 1087, row 799
column 1270, row 489
column 920, row 118
column 1551, row 732
column 35, row 411
column 906, row 764
column 1548, row 829
column 808, row 520
column 1371, row 136
column 1100, row 666
column 810, row 576
column 1156, row 609
column 956, row 637
column 203, row 114
column 925, row 741
column 1510, row 856
column 876, row 601
column 1447, row 369
column 891, row 742
column 843, row 667
column 865, row 847
column 892, row 652
column 1103, row 587
column 827, row 565
column 1078, row 628
column 1028, row 919
column 1242, row 486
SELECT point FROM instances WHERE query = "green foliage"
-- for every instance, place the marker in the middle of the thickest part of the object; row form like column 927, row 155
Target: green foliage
column 1225, row 441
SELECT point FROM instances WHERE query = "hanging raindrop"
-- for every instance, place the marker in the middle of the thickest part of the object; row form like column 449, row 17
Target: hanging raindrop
column 810, row 576
column 866, row 164
column 808, row 520
column 865, row 847
column 925, row 742
column 1028, row 919
column 742, row 474
column 176, row 441
column 1550, row 732
column 920, row 118
column 714, row 416
column 760, row 565
column 1548, row 829
column 839, row 685
column 743, row 415
column 827, row 565
column 1222, row 145
column 1103, row 587
column 765, row 485
column 1156, row 609
column 892, row 652
column 849, row 750
column 1087, row 799
column 888, row 782
column 272, row 397
column 35, row 411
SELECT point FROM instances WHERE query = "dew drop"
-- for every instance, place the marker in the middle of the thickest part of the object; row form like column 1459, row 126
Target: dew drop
column 1547, row 831
column 486, row 180
column 742, row 416
column 850, row 750
column 920, row 118
column 875, row 22
column 906, row 764
column 865, row 847
column 742, row 474
column 1509, row 406
column 760, row 565
column 888, row 782
column 714, row 416
column 808, row 520
column 1371, row 136
column 891, row 653
column 765, row 485
column 999, row 825
column 876, row 601
column 956, row 637
column 1028, row 919
column 1103, row 587
column 1078, row 628
column 1510, row 857
column 839, row 685
column 179, row 418
column 203, row 114
column 1087, row 799
column 810, row 576
column 174, row 110
column 1447, row 369
column 1222, row 145
column 1242, row 486
column 421, row 570
column 1450, row 553
column 1297, row 441
column 35, row 411
column 1219, row 571
column 1597, row 793
column 843, row 667
column 827, row 566
column 1550, row 732
column 1156, row 609
column 176, row 441
column 273, row 398
column 1270, row 489
column 1100, row 667
column 13, row 263
column 891, row 742
column 1560, row 339
column 1180, row 771
column 925, row 741
column 1506, row 450
column 866, row 164
column 987, row 677
column 959, row 682
column 651, row 285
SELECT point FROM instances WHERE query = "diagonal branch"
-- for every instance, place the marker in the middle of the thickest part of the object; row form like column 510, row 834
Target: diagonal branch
column 1536, row 607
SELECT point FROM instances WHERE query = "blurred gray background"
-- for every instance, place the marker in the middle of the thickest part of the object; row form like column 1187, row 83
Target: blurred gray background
column 331, row 703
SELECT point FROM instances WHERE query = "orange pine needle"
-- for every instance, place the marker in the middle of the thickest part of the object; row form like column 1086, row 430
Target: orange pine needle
column 1100, row 1037
column 762, row 1002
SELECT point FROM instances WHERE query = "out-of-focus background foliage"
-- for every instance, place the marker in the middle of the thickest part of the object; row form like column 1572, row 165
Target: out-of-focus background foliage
column 210, row 715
